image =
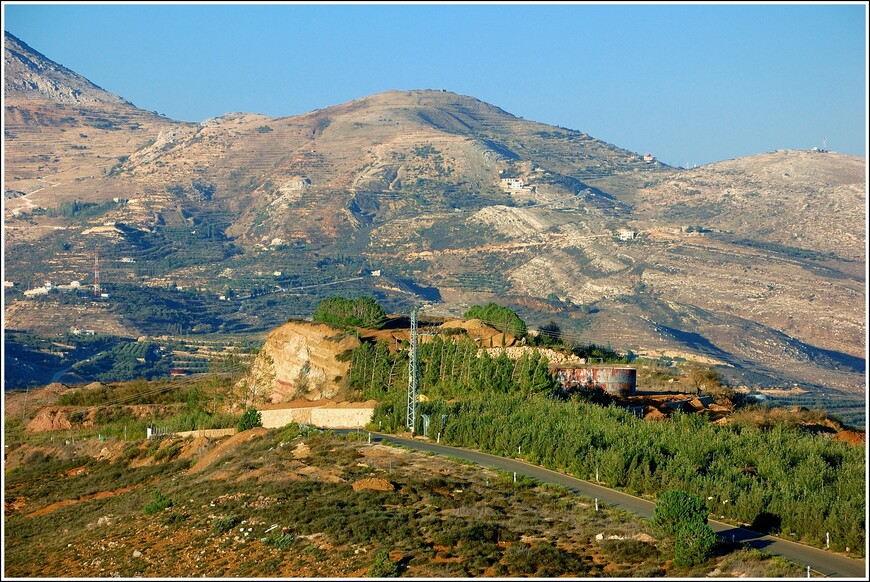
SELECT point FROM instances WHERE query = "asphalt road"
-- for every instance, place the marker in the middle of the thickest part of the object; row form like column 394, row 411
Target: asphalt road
column 820, row 561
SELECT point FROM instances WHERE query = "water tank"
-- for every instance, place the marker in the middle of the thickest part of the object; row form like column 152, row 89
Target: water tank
column 614, row 380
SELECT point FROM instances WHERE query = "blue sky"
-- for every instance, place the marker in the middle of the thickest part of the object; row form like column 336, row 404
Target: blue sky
column 692, row 84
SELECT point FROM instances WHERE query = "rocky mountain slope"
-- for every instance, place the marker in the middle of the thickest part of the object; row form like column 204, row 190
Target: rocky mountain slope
column 756, row 263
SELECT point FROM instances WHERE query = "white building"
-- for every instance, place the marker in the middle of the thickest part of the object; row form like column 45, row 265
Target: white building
column 40, row 290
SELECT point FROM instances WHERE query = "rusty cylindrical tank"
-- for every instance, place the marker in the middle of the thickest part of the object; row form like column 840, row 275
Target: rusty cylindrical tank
column 614, row 380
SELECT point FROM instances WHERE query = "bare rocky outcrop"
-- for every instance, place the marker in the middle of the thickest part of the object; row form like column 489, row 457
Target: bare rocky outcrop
column 50, row 419
column 29, row 73
column 373, row 484
column 299, row 360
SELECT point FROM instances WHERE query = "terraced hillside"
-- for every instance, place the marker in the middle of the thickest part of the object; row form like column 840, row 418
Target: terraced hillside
column 431, row 197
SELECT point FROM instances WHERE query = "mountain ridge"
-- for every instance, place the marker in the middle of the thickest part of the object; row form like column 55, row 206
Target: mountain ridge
column 455, row 196
column 29, row 73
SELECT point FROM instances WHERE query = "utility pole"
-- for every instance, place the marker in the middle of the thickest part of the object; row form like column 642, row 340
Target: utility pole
column 413, row 379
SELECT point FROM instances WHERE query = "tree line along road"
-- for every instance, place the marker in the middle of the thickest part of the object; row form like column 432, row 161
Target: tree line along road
column 819, row 561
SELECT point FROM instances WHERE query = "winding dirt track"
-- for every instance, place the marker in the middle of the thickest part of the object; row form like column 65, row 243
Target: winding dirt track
column 101, row 495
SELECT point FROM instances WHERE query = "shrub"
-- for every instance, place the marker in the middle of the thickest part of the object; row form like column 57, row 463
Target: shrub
column 160, row 503
column 281, row 541
column 174, row 518
column 168, row 453
column 250, row 419
column 675, row 508
column 542, row 559
column 695, row 541
column 501, row 318
column 224, row 524
column 383, row 566
column 629, row 550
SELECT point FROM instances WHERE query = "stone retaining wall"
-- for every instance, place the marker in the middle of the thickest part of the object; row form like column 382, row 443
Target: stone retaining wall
column 209, row 432
column 326, row 416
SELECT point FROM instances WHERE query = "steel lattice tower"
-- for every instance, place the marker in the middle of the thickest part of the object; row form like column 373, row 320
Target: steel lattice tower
column 96, row 274
column 413, row 379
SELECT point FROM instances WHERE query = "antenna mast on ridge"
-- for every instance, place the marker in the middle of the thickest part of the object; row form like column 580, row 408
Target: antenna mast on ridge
column 413, row 377
column 96, row 273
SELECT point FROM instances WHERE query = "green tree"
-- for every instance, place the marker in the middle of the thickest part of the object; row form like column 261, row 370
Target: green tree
column 684, row 516
column 550, row 334
column 360, row 312
column 250, row 419
column 694, row 544
column 706, row 379
column 501, row 318
column 675, row 508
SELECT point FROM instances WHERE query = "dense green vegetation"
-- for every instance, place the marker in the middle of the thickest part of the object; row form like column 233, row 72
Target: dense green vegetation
column 126, row 360
column 360, row 312
column 251, row 418
column 32, row 360
column 772, row 476
column 448, row 369
column 847, row 408
column 81, row 210
column 501, row 318
column 684, row 517
column 777, row 478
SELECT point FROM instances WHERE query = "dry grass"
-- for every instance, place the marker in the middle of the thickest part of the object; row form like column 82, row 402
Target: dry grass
column 302, row 517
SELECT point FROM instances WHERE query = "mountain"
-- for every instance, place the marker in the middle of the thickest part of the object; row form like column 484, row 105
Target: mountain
column 60, row 130
column 755, row 264
column 30, row 76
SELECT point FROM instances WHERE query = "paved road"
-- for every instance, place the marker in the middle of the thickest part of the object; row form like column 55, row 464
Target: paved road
column 820, row 561
column 58, row 375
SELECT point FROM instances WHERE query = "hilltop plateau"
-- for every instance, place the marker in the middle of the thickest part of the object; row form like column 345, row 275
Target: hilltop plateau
column 237, row 223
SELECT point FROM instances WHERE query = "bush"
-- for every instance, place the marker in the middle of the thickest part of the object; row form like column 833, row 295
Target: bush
column 549, row 334
column 168, row 453
column 383, row 566
column 174, row 518
column 160, row 503
column 224, row 524
column 633, row 551
column 250, row 419
column 281, row 541
column 684, row 516
column 695, row 541
column 676, row 508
